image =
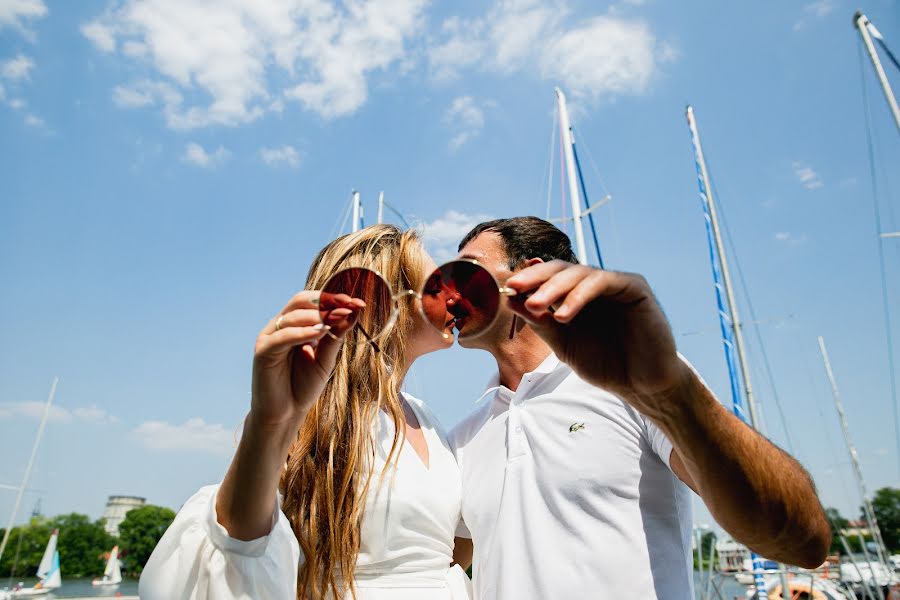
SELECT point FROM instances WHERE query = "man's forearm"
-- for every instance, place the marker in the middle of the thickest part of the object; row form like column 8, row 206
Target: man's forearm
column 757, row 492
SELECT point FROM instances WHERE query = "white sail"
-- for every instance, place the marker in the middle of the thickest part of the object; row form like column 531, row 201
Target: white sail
column 112, row 561
column 112, row 574
column 47, row 560
column 54, row 577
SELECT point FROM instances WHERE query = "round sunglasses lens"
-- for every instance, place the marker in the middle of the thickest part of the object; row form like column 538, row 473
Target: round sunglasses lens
column 469, row 294
column 337, row 307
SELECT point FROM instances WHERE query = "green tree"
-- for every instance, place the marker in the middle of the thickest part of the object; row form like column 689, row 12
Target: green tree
column 29, row 541
column 140, row 532
column 707, row 541
column 886, row 504
column 82, row 544
column 838, row 523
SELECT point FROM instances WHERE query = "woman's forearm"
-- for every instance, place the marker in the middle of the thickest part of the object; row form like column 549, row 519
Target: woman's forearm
column 246, row 498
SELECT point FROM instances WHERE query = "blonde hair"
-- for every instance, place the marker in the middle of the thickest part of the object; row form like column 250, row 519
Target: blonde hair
column 329, row 468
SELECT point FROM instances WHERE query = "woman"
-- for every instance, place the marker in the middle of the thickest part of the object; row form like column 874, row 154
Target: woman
column 369, row 491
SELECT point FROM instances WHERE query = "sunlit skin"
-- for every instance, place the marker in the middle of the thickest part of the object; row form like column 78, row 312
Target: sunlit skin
column 294, row 356
column 433, row 325
column 609, row 328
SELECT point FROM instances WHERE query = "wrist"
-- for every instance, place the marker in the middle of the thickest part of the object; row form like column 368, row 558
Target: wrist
column 265, row 437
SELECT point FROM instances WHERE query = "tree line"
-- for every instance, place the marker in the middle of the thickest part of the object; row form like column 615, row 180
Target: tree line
column 885, row 504
column 84, row 545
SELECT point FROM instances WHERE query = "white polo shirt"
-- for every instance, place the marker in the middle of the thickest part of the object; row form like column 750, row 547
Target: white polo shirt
column 567, row 493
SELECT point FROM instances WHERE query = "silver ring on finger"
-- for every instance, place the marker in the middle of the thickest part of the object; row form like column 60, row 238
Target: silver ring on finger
column 278, row 322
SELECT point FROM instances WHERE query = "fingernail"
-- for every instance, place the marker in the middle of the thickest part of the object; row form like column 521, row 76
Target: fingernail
column 322, row 327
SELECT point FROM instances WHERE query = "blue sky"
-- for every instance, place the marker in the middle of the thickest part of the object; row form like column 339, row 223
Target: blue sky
column 169, row 168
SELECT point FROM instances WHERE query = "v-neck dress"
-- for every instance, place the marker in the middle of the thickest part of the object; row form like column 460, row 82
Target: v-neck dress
column 406, row 537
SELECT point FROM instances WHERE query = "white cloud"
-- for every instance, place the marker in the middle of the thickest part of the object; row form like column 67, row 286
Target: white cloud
column 102, row 36
column 16, row 68
column 35, row 121
column 193, row 434
column 790, row 238
column 807, row 176
column 132, row 97
column 442, row 236
column 94, row 414
column 35, row 410
column 17, row 103
column 505, row 38
column 234, row 61
column 194, row 154
column 606, row 55
column 814, row 10
column 285, row 155
column 14, row 12
column 465, row 118
column 463, row 46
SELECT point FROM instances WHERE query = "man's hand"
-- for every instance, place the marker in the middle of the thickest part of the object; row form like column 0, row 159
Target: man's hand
column 610, row 329
column 607, row 326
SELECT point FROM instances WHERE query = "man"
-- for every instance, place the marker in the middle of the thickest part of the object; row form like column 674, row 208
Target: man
column 576, row 468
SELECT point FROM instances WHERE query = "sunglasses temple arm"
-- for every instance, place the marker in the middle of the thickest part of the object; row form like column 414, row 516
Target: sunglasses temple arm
column 369, row 337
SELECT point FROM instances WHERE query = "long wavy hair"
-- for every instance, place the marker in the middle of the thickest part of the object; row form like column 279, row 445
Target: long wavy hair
column 330, row 465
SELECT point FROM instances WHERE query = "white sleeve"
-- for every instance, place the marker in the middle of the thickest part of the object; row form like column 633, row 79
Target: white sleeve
column 197, row 560
column 452, row 440
column 658, row 441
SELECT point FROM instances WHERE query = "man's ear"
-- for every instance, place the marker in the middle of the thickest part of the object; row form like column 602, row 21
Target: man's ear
column 533, row 261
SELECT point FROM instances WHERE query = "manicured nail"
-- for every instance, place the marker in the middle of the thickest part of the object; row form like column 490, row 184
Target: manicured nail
column 322, row 327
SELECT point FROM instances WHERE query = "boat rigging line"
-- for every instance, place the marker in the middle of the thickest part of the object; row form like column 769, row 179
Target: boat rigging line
column 862, row 25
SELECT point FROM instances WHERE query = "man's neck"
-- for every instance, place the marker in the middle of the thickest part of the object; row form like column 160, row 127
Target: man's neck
column 518, row 356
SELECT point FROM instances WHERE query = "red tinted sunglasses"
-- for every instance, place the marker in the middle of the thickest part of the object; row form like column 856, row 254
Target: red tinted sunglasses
column 463, row 288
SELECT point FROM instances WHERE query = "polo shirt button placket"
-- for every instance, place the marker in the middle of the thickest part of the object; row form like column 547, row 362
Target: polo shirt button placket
column 516, row 433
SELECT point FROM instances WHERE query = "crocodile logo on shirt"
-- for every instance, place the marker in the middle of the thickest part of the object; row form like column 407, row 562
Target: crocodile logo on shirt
column 575, row 427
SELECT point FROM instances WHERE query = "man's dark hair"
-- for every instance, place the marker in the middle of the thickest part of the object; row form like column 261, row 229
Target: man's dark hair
column 526, row 237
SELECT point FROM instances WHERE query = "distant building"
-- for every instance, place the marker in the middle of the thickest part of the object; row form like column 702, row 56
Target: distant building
column 731, row 556
column 856, row 528
column 116, row 509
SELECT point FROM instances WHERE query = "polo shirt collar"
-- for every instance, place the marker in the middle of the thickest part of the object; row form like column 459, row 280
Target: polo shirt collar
column 547, row 366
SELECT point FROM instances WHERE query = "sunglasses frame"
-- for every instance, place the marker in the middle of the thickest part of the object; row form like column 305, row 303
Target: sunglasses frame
column 396, row 297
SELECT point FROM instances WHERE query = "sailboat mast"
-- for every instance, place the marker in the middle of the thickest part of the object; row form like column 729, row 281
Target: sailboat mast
column 380, row 207
column 37, row 441
column 854, row 459
column 706, row 193
column 566, row 132
column 863, row 25
column 728, row 320
column 357, row 212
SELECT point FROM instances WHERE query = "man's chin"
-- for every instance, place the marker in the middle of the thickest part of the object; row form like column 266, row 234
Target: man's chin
column 467, row 341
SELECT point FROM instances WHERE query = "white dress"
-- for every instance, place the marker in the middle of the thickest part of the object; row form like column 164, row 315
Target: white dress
column 406, row 541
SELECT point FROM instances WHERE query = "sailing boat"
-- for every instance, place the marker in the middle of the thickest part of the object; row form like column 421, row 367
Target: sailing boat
column 112, row 574
column 48, row 572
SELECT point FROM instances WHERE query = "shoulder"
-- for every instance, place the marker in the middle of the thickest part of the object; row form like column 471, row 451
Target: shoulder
column 425, row 411
column 463, row 432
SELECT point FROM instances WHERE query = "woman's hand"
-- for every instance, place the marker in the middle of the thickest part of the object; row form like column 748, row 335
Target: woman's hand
column 295, row 354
